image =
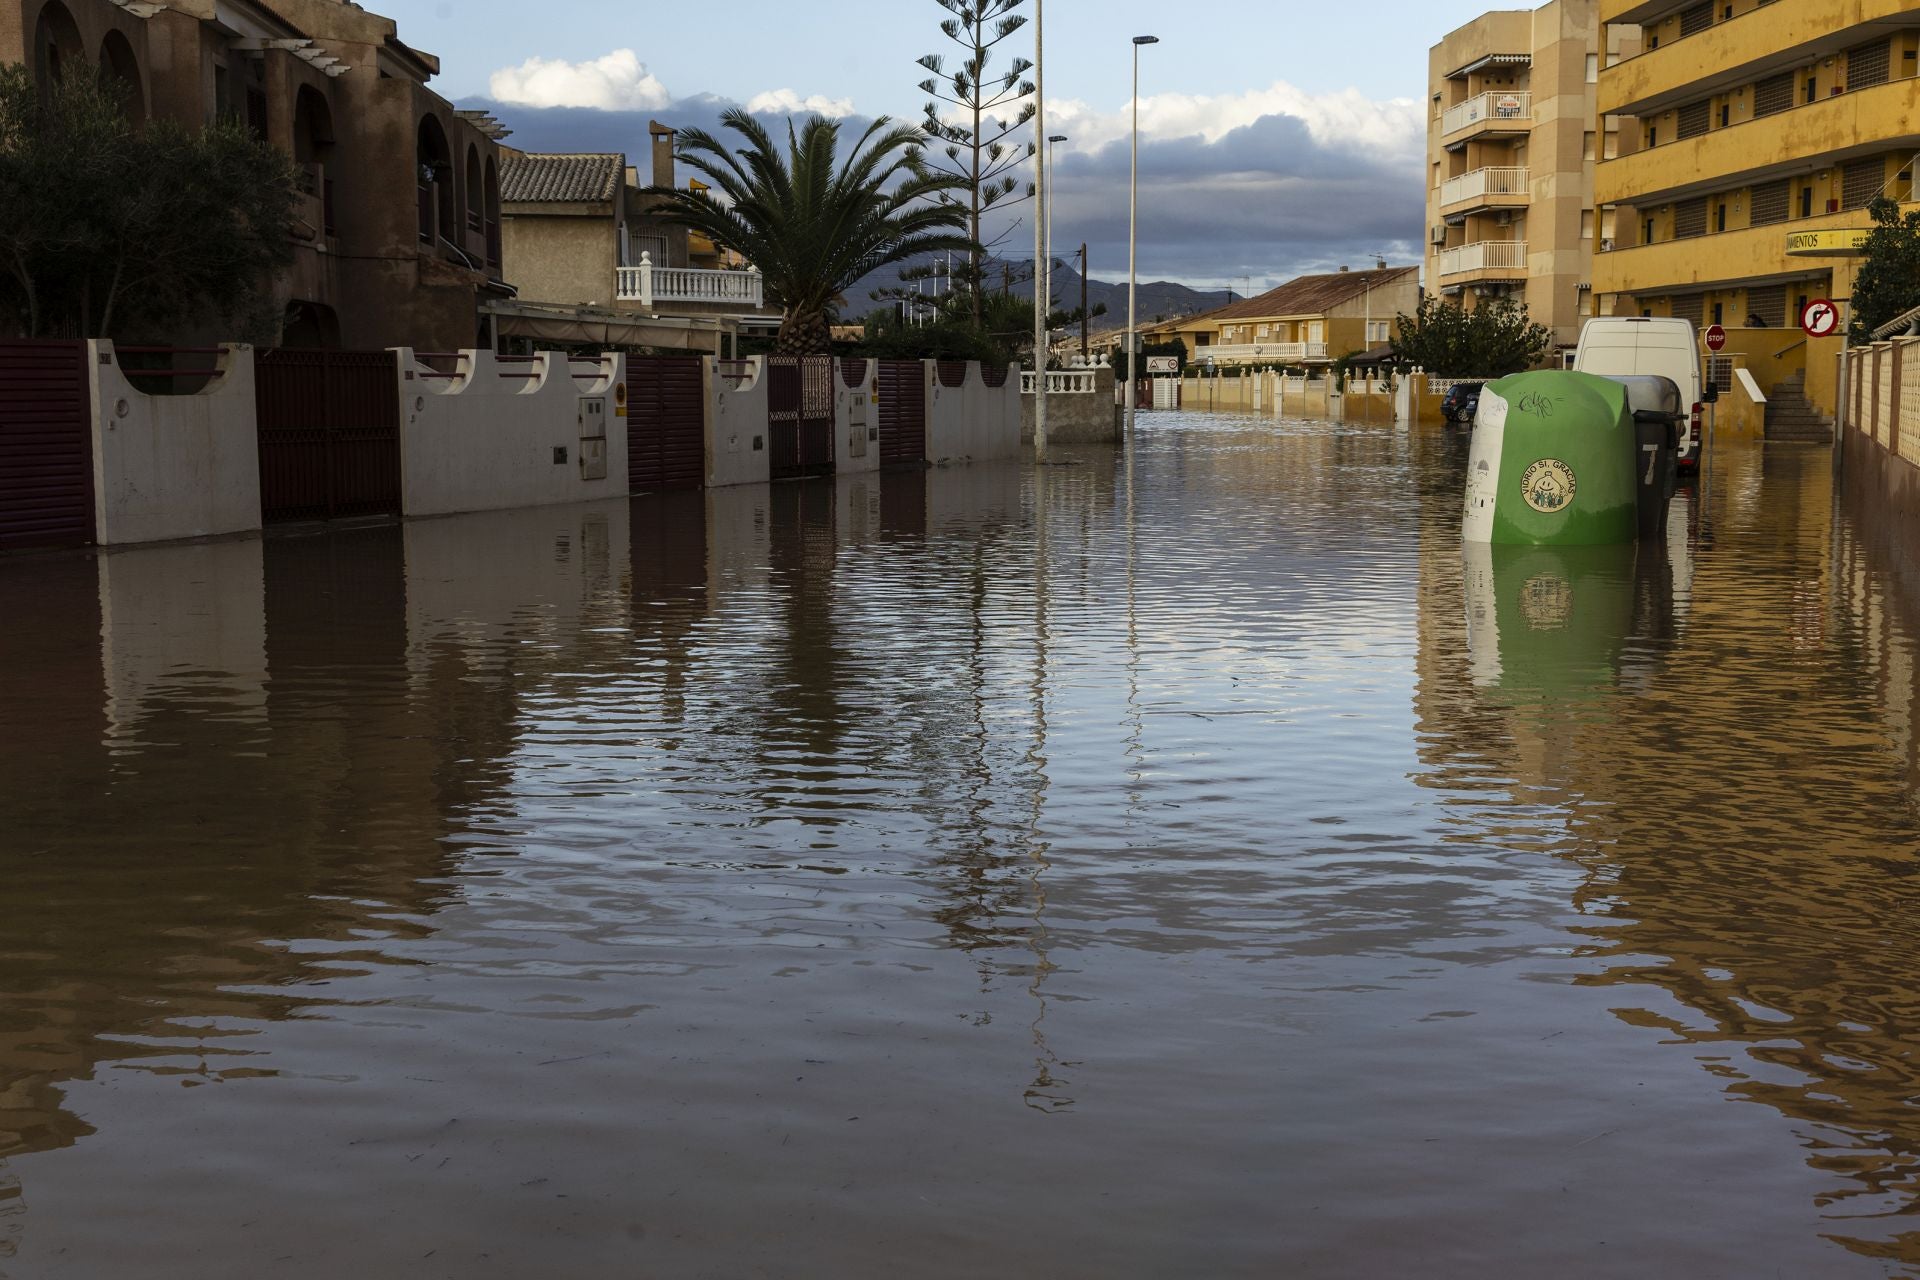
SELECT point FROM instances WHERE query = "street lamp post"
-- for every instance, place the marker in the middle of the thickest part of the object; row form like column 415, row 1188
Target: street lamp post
column 1039, row 236
column 1133, row 237
column 1047, row 252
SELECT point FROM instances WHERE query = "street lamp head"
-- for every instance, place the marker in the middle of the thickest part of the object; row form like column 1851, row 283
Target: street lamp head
column 1146, row 39
column 1058, row 137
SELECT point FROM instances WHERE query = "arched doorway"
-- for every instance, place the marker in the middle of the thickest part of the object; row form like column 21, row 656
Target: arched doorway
column 313, row 142
column 120, row 70
column 435, row 161
column 57, row 45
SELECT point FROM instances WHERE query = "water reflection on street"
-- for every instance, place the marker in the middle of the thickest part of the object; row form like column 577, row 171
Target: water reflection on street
column 1207, row 869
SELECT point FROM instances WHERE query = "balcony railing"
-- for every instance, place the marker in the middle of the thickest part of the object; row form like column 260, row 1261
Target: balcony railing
column 649, row 285
column 1489, row 108
column 1273, row 352
column 1484, row 183
column 1487, row 255
column 1061, row 382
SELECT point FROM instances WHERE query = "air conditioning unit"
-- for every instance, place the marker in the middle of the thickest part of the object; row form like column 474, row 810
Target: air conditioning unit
column 1440, row 234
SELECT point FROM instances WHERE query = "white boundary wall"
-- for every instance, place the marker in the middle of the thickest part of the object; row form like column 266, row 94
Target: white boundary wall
column 489, row 438
column 856, row 423
column 972, row 422
column 737, row 423
column 167, row 467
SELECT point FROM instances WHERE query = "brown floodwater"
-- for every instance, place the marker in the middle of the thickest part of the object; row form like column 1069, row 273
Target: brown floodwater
column 986, row 872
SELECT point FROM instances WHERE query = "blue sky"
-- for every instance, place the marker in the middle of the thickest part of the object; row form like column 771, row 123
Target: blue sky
column 1278, row 137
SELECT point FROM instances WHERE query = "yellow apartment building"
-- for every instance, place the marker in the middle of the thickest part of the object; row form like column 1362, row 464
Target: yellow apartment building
column 1512, row 142
column 1747, row 121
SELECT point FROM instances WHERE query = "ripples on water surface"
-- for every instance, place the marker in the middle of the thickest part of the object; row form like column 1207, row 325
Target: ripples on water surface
column 977, row 873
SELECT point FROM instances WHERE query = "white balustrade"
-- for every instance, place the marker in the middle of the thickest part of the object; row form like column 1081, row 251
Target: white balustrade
column 649, row 285
column 1485, row 255
column 1258, row 352
column 1482, row 183
column 1501, row 107
column 1061, row 382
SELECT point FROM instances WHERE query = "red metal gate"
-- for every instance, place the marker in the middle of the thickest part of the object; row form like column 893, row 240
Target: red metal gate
column 900, row 394
column 666, row 423
column 46, row 446
column 800, row 415
column 329, row 424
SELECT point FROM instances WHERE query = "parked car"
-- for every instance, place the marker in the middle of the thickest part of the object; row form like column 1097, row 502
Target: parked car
column 1461, row 402
column 1660, row 346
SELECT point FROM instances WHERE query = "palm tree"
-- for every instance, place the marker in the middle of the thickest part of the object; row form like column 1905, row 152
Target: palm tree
column 811, row 225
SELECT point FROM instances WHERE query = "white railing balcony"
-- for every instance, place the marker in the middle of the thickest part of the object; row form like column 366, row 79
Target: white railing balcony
column 1061, row 382
column 1486, row 255
column 1483, row 184
column 649, row 285
column 1262, row 352
column 1497, row 108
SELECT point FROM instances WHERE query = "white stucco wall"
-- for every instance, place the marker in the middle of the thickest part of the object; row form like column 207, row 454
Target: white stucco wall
column 485, row 439
column 167, row 467
column 856, row 423
column 737, row 425
column 972, row 422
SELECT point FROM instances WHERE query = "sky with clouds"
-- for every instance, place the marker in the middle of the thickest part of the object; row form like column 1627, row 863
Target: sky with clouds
column 1277, row 137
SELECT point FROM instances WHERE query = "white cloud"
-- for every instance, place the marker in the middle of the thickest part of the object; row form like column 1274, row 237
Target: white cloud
column 1394, row 128
column 617, row 82
column 785, row 102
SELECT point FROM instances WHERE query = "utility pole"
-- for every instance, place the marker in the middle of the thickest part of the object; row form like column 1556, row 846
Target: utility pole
column 1083, row 302
column 1042, row 220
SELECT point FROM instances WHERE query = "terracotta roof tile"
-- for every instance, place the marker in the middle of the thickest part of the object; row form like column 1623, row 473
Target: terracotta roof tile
column 536, row 178
column 1311, row 295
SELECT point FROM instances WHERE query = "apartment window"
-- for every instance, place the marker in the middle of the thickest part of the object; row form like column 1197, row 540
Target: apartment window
column 1611, row 149
column 1869, row 64
column 1692, row 307
column 1813, row 89
column 1697, row 19
column 1861, row 181
column 1694, row 118
column 1770, row 202
column 1586, row 146
column 1653, row 135
column 1768, row 306
column 1593, row 68
column 1806, row 202
column 1719, row 313
column 1690, row 219
column 1726, row 114
column 1720, row 218
column 1772, row 96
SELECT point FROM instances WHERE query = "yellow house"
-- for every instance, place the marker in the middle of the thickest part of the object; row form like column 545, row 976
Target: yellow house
column 1750, row 123
column 1309, row 320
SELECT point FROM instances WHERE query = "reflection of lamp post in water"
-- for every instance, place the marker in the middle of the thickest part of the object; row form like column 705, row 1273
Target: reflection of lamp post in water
column 1133, row 239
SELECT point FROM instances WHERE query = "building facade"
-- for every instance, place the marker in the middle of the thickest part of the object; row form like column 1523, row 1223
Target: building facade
column 1308, row 321
column 1512, row 140
column 396, row 232
column 1748, row 122
column 579, row 231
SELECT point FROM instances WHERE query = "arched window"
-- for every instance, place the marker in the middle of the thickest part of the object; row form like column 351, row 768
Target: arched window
column 120, row 70
column 313, row 148
column 435, row 162
column 57, row 45
column 493, row 212
column 476, row 192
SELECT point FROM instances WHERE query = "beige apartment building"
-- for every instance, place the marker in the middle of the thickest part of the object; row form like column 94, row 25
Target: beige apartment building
column 1512, row 141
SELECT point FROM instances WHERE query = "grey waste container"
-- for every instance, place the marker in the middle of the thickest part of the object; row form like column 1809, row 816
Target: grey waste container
column 1655, row 404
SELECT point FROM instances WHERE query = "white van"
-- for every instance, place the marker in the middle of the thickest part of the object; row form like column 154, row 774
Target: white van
column 1644, row 345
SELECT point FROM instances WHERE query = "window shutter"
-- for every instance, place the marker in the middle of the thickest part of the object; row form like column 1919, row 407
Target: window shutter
column 1867, row 64
column 1771, row 202
column 1861, row 181
column 1769, row 305
column 1695, row 20
column 1773, row 95
column 1690, row 218
column 1690, row 306
column 1695, row 118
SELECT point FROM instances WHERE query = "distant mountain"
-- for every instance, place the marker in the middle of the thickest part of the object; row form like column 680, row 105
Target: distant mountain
column 1157, row 299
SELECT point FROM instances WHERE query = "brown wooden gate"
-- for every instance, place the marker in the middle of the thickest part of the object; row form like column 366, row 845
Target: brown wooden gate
column 666, row 423
column 329, row 424
column 900, row 394
column 800, row 415
column 46, row 446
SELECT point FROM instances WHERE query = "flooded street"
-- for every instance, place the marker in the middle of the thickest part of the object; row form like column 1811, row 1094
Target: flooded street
column 985, row 872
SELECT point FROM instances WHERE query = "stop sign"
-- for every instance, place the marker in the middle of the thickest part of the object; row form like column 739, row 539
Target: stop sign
column 1716, row 337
